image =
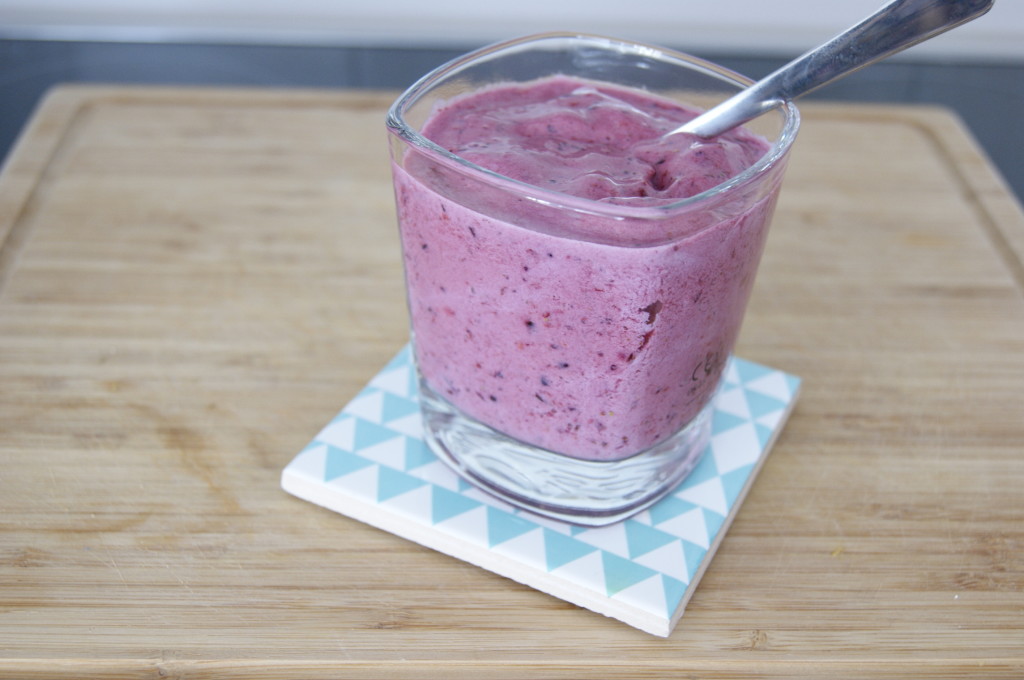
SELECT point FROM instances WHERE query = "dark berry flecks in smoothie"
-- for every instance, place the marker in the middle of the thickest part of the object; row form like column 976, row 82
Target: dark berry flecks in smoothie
column 591, row 350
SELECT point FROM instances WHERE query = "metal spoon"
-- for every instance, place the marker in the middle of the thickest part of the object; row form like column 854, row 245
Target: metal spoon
column 894, row 28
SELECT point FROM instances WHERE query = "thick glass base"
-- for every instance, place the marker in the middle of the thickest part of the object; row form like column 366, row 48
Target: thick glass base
column 588, row 493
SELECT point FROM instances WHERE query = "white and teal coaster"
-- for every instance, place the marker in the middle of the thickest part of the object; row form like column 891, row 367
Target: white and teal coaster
column 370, row 463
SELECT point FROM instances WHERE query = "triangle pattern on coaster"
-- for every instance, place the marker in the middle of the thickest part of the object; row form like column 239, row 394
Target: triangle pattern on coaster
column 586, row 571
column 340, row 433
column 411, row 426
column 694, row 556
column 470, row 526
column 368, row 406
column 761, row 404
column 704, row 471
column 675, row 591
column 438, row 474
column 748, row 371
column 669, row 508
column 734, row 482
column 370, row 461
column 417, row 454
column 396, row 381
column 735, row 448
column 689, row 526
column 669, row 560
column 311, row 461
column 770, row 421
column 560, row 549
column 338, row 463
column 389, row 452
column 502, row 526
column 723, row 422
column 448, row 504
column 773, row 384
column 411, row 503
column 393, row 483
column 393, row 408
column 764, row 434
column 528, row 549
column 709, row 494
column 730, row 402
column 360, row 483
column 713, row 522
column 648, row 593
column 611, row 538
column 368, row 434
column 642, row 539
column 620, row 573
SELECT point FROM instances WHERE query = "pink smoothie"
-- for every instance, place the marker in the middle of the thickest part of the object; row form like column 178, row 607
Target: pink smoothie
column 596, row 350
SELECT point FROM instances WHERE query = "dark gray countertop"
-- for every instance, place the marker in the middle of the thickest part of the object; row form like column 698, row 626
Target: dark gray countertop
column 988, row 96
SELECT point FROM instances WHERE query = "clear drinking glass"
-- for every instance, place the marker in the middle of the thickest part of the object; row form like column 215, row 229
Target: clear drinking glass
column 568, row 350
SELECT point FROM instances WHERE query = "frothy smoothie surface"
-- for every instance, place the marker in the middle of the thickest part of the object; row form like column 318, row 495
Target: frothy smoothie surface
column 592, row 350
column 598, row 142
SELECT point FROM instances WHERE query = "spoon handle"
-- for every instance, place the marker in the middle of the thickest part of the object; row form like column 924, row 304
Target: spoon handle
column 895, row 27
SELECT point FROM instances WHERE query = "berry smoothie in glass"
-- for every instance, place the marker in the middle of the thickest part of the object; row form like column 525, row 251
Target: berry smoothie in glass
column 576, row 280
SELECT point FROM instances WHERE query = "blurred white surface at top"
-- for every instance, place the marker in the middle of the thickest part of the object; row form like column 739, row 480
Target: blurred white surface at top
column 727, row 26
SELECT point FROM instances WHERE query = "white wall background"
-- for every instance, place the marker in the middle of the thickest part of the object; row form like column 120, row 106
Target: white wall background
column 753, row 26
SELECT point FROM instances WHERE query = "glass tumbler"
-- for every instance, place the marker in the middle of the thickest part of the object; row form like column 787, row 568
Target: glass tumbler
column 568, row 350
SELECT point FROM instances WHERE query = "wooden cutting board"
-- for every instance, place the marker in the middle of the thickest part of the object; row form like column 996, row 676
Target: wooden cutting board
column 193, row 281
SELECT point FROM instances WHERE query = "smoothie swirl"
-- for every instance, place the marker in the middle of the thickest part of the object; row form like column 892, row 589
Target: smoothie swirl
column 592, row 141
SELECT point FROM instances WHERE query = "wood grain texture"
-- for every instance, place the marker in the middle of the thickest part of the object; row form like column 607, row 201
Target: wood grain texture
column 193, row 282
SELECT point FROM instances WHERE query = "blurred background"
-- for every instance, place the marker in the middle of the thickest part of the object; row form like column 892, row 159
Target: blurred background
column 977, row 70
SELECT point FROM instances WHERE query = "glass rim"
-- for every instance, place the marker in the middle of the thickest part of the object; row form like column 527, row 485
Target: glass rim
column 397, row 125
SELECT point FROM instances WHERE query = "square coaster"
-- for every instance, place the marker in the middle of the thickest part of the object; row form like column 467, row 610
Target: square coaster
column 370, row 463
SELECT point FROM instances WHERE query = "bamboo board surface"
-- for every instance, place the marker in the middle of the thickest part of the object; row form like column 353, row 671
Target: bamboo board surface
column 193, row 281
